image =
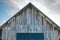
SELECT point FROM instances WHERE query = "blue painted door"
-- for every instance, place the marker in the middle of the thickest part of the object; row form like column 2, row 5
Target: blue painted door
column 29, row 36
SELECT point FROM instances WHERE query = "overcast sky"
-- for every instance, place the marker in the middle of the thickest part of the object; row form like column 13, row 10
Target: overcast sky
column 51, row 8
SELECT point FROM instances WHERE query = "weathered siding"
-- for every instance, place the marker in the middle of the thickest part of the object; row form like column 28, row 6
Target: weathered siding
column 29, row 21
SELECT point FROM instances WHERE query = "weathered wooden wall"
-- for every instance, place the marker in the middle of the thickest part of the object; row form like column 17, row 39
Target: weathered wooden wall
column 29, row 21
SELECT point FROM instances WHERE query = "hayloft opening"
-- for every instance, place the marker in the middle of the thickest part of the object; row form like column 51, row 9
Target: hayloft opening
column 29, row 36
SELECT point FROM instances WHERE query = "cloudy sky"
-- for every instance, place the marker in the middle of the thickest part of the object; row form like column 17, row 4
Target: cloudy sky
column 51, row 8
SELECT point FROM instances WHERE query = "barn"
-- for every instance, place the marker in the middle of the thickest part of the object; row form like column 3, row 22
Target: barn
column 29, row 24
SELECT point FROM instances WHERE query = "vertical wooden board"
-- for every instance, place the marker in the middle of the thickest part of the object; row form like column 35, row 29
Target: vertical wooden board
column 29, row 17
column 4, row 33
column 25, row 16
column 17, row 20
column 17, row 27
column 54, row 35
column 44, row 26
column 12, row 35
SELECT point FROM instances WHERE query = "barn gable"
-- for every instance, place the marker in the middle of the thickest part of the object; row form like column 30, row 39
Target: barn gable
column 36, row 9
column 29, row 20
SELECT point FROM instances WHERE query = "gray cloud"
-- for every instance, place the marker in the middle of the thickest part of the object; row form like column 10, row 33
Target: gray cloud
column 53, row 5
column 56, row 8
